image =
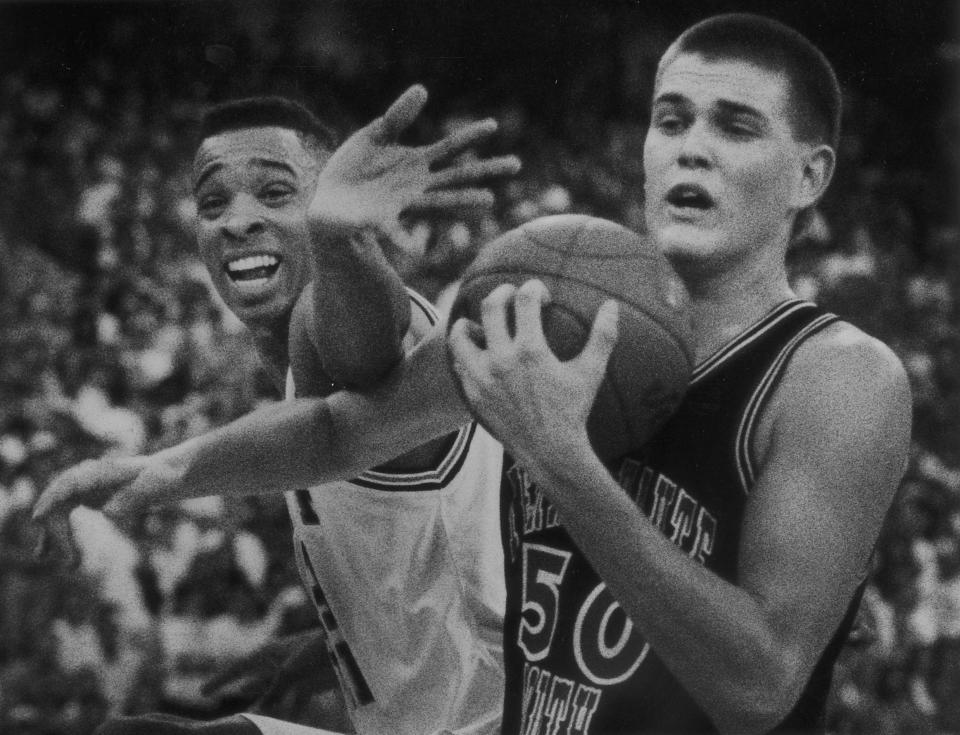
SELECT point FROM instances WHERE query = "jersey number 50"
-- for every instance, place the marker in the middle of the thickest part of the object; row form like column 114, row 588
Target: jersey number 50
column 605, row 646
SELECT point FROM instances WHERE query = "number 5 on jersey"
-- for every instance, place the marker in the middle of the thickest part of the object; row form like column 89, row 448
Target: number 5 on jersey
column 543, row 571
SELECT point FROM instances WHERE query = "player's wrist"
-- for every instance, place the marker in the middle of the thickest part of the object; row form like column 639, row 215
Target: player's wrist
column 562, row 462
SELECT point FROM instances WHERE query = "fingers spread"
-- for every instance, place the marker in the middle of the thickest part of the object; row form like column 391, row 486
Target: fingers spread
column 528, row 303
column 602, row 339
column 472, row 172
column 494, row 315
column 461, row 139
column 400, row 115
column 60, row 489
column 454, row 199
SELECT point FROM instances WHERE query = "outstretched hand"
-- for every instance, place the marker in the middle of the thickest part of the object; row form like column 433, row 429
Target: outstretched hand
column 96, row 484
column 372, row 179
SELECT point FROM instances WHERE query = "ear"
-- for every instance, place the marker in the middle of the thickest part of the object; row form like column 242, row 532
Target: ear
column 818, row 165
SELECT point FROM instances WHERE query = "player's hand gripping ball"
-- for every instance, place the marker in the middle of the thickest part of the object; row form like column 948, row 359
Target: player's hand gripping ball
column 583, row 261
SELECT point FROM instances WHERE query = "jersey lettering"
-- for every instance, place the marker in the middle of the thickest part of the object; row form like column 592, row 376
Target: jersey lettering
column 706, row 533
column 553, row 704
column 671, row 509
column 664, row 494
column 682, row 518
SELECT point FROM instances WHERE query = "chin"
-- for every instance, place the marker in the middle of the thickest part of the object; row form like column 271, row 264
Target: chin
column 265, row 313
column 686, row 242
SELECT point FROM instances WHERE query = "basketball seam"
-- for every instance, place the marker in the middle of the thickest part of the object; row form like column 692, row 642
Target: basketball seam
column 674, row 334
column 593, row 256
column 611, row 378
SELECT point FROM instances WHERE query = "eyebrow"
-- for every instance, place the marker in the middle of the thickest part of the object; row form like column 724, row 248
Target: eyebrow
column 265, row 162
column 726, row 106
column 206, row 174
column 738, row 108
column 671, row 98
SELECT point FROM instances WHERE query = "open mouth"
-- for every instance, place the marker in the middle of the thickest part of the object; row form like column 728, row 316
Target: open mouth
column 689, row 197
column 252, row 270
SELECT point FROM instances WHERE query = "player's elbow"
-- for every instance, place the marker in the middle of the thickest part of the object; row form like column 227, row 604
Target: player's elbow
column 766, row 700
column 363, row 374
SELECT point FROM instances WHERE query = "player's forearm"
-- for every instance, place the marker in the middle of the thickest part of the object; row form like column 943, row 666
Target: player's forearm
column 308, row 441
column 361, row 309
column 281, row 447
column 714, row 636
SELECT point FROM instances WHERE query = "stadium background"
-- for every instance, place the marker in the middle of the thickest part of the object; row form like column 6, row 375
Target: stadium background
column 110, row 340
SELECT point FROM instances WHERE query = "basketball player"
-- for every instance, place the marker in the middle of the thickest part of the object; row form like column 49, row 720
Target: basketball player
column 705, row 582
column 420, row 627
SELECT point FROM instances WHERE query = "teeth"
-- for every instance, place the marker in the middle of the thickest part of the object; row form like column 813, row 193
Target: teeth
column 252, row 261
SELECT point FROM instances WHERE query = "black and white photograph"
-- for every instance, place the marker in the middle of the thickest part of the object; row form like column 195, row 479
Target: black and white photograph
column 479, row 367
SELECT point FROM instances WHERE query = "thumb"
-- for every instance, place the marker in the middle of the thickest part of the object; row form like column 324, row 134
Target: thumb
column 603, row 338
column 400, row 115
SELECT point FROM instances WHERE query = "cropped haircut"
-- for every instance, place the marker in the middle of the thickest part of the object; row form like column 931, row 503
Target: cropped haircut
column 815, row 93
column 269, row 111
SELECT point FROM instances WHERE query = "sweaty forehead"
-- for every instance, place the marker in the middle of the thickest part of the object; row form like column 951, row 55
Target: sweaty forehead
column 252, row 146
column 705, row 82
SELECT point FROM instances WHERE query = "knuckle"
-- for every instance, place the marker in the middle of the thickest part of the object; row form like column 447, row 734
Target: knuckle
column 531, row 291
column 500, row 369
column 608, row 332
column 528, row 353
column 496, row 298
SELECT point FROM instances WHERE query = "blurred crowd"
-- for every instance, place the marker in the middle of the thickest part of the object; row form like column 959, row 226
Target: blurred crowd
column 113, row 342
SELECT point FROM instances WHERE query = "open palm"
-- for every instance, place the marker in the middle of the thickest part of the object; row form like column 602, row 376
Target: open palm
column 372, row 179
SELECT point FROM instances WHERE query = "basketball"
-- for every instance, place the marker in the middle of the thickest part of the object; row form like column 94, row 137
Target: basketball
column 584, row 261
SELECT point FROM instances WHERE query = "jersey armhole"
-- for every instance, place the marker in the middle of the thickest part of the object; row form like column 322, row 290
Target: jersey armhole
column 747, row 463
column 440, row 472
column 436, row 477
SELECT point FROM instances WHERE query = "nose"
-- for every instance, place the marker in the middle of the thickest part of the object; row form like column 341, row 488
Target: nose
column 695, row 151
column 243, row 220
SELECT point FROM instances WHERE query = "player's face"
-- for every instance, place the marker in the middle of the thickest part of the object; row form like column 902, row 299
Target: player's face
column 252, row 188
column 723, row 169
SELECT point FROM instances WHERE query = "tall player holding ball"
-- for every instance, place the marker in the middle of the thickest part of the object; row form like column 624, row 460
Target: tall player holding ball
column 715, row 592
column 712, row 594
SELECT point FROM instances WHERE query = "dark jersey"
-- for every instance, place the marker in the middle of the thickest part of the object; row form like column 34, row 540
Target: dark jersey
column 574, row 661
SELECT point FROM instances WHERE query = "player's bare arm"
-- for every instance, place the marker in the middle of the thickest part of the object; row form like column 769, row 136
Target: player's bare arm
column 361, row 192
column 831, row 450
column 285, row 446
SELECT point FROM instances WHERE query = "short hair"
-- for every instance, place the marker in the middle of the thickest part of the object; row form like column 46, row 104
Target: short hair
column 269, row 111
column 773, row 46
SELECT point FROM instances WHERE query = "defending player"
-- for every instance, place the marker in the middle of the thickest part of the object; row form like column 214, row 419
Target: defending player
column 404, row 563
column 711, row 591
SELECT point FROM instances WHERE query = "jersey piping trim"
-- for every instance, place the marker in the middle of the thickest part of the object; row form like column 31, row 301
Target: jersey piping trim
column 746, row 464
column 425, row 306
column 433, row 479
column 748, row 337
column 447, row 468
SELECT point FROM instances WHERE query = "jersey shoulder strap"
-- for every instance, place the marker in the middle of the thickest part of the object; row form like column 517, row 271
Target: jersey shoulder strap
column 814, row 320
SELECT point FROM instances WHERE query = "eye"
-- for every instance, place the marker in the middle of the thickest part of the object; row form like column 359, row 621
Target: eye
column 211, row 206
column 669, row 123
column 276, row 193
column 739, row 130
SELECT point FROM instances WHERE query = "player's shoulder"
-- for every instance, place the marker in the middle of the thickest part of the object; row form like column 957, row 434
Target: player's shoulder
column 842, row 358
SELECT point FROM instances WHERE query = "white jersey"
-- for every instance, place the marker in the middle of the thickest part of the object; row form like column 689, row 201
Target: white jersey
column 406, row 570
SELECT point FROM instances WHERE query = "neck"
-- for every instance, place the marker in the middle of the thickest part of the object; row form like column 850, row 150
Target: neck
column 724, row 303
column 271, row 340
